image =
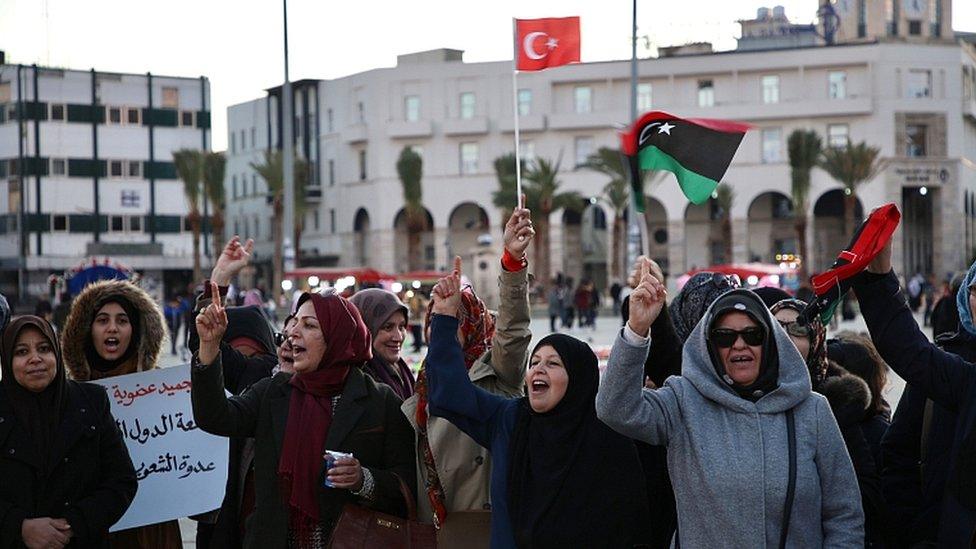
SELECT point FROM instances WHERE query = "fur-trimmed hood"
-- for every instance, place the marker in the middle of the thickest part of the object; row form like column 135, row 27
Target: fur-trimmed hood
column 849, row 396
column 77, row 329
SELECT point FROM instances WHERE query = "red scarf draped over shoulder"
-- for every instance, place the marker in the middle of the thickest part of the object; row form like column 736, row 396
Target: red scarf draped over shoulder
column 347, row 345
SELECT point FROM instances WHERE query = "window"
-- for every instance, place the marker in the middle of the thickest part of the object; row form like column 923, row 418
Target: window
column 254, row 137
column 331, row 172
column 915, row 27
column 467, row 105
column 332, row 223
column 328, row 120
column 187, row 227
column 524, row 102
column 527, row 150
column 411, row 108
column 315, row 220
column 837, row 84
column 186, row 121
column 254, row 184
column 583, row 148
column 837, row 135
column 247, row 228
column 129, row 199
column 706, row 93
column 57, row 111
column 116, row 223
column 915, row 140
column 59, row 166
column 59, row 222
column 243, row 141
column 135, row 223
column 583, row 99
column 362, row 165
column 171, row 98
column 134, row 169
column 862, row 16
column 132, row 115
column 919, row 84
column 233, row 187
column 770, row 89
column 644, row 97
column 114, row 115
column 469, row 158
column 257, row 227
column 233, row 142
column 771, row 138
column 115, row 168
column 361, row 108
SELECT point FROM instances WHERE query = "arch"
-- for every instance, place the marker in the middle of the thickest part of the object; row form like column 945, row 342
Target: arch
column 656, row 217
column 594, row 245
column 829, row 235
column 466, row 223
column 770, row 222
column 414, row 251
column 704, row 243
column 361, row 230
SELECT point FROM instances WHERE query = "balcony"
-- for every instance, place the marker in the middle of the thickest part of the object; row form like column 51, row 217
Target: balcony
column 313, row 194
column 355, row 133
column 404, row 129
column 466, row 126
column 527, row 124
column 813, row 108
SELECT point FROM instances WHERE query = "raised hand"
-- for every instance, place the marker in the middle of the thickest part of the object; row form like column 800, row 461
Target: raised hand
column 233, row 258
column 646, row 301
column 519, row 231
column 211, row 326
column 635, row 272
column 447, row 292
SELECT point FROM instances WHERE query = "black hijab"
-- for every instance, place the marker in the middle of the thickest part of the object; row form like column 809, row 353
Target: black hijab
column 38, row 413
column 105, row 365
column 747, row 302
column 572, row 480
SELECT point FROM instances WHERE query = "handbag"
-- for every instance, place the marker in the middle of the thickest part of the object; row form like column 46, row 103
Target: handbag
column 359, row 527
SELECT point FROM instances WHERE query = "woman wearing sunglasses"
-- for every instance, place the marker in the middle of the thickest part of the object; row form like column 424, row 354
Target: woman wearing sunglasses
column 755, row 457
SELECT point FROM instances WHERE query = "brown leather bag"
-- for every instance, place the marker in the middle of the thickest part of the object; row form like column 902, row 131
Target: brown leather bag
column 360, row 528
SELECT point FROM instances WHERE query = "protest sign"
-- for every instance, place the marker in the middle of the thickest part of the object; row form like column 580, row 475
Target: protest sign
column 181, row 470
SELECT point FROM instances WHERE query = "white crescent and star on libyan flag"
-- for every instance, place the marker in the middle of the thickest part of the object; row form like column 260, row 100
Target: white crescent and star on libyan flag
column 662, row 127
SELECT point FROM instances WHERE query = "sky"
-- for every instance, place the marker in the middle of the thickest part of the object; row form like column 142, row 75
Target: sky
column 238, row 43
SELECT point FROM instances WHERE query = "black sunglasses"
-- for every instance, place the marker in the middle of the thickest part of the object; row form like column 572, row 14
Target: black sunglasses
column 725, row 338
column 279, row 338
column 794, row 328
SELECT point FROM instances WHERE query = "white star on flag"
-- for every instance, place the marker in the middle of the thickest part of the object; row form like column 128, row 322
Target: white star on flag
column 552, row 43
column 666, row 128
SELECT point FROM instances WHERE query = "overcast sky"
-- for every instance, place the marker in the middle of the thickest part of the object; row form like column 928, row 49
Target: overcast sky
column 238, row 43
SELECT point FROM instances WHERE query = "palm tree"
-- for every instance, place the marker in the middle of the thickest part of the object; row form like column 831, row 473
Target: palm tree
column 214, row 164
column 410, row 168
column 851, row 166
column 805, row 149
column 506, row 197
column 724, row 197
column 616, row 193
column 272, row 171
column 189, row 167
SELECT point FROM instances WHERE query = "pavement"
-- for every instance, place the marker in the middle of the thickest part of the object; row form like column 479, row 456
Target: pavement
column 600, row 338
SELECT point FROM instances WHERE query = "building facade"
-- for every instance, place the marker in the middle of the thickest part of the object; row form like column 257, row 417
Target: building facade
column 912, row 97
column 87, row 172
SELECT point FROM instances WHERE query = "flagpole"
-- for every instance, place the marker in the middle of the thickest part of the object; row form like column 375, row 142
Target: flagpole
column 637, row 229
column 515, row 113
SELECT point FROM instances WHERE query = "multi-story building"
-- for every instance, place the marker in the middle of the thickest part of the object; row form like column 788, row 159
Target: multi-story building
column 86, row 171
column 913, row 97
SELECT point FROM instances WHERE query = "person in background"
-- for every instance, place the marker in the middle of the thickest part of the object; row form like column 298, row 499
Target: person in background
column 594, row 305
column 615, row 290
column 418, row 308
column 945, row 313
column 61, row 311
column 174, row 318
column 555, row 298
column 855, row 353
column 569, row 310
column 67, row 475
column 559, row 476
column 116, row 328
column 582, row 301
column 386, row 317
column 44, row 310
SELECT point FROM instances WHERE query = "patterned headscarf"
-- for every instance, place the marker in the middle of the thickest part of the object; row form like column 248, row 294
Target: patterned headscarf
column 962, row 301
column 817, row 357
column 477, row 328
column 701, row 290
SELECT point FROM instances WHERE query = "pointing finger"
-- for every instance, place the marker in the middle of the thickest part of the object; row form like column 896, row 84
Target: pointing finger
column 457, row 265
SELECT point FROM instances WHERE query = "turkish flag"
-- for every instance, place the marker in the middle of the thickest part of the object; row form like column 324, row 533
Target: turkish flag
column 544, row 43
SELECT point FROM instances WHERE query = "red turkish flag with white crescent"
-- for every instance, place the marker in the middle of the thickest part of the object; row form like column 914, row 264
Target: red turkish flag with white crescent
column 544, row 43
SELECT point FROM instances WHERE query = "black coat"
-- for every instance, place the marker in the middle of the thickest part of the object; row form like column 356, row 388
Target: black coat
column 948, row 379
column 367, row 422
column 92, row 484
column 915, row 490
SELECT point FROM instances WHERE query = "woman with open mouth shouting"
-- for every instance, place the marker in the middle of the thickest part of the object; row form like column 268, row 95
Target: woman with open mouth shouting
column 559, row 476
column 116, row 328
column 755, row 457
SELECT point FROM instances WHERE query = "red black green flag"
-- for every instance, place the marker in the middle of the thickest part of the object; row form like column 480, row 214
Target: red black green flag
column 697, row 151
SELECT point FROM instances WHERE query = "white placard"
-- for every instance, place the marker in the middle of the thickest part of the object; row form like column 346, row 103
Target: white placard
column 181, row 470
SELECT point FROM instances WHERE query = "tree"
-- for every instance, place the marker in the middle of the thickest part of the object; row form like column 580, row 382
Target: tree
column 272, row 171
column 542, row 197
column 410, row 168
column 724, row 198
column 189, row 168
column 616, row 193
column 805, row 149
column 851, row 166
column 214, row 164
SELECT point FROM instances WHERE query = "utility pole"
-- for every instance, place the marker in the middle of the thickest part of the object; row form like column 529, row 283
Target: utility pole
column 288, row 160
column 633, row 224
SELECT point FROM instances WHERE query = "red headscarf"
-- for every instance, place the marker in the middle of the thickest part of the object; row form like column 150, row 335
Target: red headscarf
column 347, row 345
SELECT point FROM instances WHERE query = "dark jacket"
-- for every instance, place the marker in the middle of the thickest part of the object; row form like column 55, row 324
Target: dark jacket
column 92, row 485
column 367, row 422
column 948, row 379
column 915, row 485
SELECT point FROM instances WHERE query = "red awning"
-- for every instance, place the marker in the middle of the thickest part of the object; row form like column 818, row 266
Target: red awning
column 361, row 274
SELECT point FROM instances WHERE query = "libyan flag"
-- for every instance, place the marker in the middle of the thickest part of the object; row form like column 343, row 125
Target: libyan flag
column 697, row 151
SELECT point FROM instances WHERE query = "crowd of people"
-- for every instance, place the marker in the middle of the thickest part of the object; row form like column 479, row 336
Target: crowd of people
column 723, row 418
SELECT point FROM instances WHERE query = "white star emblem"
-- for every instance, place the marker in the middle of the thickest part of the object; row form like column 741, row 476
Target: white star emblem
column 666, row 128
column 552, row 43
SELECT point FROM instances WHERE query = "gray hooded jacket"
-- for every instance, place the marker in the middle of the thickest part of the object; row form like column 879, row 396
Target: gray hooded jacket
column 729, row 458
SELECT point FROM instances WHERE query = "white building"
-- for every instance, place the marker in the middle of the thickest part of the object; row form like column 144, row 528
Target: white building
column 912, row 96
column 95, row 146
